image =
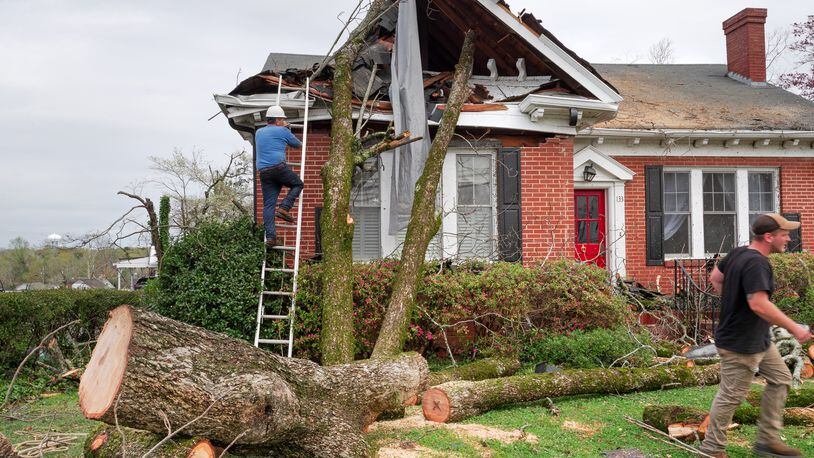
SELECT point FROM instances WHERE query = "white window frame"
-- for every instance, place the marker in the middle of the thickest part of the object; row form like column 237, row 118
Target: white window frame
column 742, row 204
column 451, row 246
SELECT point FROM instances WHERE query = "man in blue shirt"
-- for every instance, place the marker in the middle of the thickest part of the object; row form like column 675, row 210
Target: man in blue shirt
column 270, row 145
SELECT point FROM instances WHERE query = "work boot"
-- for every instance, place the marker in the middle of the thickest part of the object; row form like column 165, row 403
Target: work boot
column 282, row 213
column 271, row 242
column 776, row 449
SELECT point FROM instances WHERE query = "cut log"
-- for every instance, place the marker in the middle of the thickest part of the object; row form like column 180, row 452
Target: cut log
column 808, row 369
column 794, row 416
column 662, row 416
column 455, row 401
column 109, row 442
column 799, row 397
column 477, row 370
column 811, row 351
column 6, row 448
column 147, row 367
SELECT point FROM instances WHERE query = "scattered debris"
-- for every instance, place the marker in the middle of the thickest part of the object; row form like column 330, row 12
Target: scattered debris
column 579, row 427
column 51, row 442
column 625, row 453
column 472, row 430
column 672, row 441
column 549, row 404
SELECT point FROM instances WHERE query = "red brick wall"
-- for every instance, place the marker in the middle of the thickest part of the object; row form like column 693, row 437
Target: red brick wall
column 745, row 44
column 796, row 196
column 319, row 142
column 547, row 199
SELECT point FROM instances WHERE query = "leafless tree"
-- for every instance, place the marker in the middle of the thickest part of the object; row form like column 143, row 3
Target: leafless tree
column 661, row 52
column 777, row 45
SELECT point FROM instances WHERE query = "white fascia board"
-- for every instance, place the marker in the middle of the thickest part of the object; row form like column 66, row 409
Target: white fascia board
column 557, row 55
column 593, row 111
column 514, row 119
column 694, row 133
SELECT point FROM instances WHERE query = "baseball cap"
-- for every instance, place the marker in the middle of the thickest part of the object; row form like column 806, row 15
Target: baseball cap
column 771, row 222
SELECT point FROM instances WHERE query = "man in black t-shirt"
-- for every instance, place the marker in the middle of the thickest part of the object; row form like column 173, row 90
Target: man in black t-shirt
column 745, row 281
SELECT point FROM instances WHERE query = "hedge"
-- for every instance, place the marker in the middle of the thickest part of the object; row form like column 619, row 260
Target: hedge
column 496, row 304
column 794, row 285
column 26, row 317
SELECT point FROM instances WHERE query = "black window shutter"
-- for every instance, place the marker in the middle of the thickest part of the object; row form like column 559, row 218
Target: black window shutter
column 510, row 240
column 654, row 214
column 796, row 242
column 317, row 233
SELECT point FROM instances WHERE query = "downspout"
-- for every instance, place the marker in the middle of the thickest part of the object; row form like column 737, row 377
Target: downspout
column 250, row 130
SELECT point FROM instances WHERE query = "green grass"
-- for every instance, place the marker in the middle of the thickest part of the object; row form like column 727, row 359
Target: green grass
column 604, row 414
column 59, row 413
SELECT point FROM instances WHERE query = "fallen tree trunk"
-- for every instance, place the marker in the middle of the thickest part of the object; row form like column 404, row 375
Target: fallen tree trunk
column 663, row 416
column 477, row 370
column 6, row 449
column 146, row 368
column 797, row 397
column 109, row 442
column 455, row 401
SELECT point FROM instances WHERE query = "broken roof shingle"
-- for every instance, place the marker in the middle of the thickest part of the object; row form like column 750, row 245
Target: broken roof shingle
column 700, row 96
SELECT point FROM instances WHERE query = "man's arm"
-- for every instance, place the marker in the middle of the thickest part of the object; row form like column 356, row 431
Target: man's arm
column 717, row 280
column 293, row 141
column 760, row 304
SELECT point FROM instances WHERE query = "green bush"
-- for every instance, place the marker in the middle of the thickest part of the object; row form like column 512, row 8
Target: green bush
column 507, row 300
column 586, row 349
column 211, row 278
column 794, row 285
column 26, row 317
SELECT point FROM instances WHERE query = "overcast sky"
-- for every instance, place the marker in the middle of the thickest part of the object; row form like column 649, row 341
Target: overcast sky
column 90, row 88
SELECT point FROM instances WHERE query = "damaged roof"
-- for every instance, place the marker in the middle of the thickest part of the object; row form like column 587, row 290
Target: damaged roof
column 700, row 96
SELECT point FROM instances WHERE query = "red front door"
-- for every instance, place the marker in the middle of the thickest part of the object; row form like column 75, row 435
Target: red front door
column 589, row 226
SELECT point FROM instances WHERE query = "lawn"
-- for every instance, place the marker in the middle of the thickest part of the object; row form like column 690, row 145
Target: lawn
column 585, row 427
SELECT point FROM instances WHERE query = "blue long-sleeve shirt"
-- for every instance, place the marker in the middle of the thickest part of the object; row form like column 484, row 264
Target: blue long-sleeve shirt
column 270, row 144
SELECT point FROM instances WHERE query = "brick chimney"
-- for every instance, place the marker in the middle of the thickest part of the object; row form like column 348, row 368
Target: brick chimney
column 746, row 46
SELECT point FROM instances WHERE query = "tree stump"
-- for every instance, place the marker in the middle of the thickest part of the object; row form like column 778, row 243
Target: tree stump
column 146, row 368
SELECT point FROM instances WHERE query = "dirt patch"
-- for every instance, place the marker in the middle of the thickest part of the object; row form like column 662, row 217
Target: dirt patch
column 405, row 449
column 471, row 430
column 588, row 430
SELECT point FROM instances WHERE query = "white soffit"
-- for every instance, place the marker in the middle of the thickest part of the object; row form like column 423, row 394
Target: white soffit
column 598, row 158
column 557, row 55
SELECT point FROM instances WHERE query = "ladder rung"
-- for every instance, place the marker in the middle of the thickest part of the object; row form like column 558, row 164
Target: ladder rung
column 278, row 293
column 275, row 317
column 279, row 269
column 283, row 248
column 285, row 226
column 273, row 341
column 294, row 164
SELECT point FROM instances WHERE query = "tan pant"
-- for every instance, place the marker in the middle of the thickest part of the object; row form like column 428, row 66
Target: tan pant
column 737, row 372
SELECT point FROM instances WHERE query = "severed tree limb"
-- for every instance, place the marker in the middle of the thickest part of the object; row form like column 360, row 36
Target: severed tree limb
column 456, row 401
column 106, row 442
column 43, row 344
column 424, row 223
column 385, row 145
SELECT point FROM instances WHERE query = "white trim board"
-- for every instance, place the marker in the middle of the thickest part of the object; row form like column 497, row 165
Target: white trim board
column 557, row 55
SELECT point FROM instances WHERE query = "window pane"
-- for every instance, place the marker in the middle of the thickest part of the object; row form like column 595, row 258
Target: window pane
column 729, row 202
column 719, row 233
column 593, row 206
column 582, row 235
column 677, row 234
column 465, row 185
column 481, row 179
column 766, row 182
column 707, row 182
column 365, row 190
column 683, row 202
column 707, row 202
column 669, row 182
column 594, row 227
column 754, row 200
column 767, row 203
column 582, row 207
column 475, row 233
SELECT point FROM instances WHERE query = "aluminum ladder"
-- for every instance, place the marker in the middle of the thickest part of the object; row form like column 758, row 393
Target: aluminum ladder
column 285, row 251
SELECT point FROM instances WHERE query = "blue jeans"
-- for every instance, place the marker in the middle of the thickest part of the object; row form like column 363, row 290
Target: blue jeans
column 272, row 180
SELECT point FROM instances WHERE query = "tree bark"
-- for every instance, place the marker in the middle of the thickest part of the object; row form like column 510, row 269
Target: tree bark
column 424, row 222
column 336, row 339
column 663, row 416
column 799, row 397
column 6, row 448
column 455, row 401
column 146, row 367
column 107, row 441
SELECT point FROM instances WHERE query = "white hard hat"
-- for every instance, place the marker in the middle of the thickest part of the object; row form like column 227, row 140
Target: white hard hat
column 275, row 111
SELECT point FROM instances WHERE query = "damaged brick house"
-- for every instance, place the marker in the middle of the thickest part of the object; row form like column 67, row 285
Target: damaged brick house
column 626, row 166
